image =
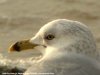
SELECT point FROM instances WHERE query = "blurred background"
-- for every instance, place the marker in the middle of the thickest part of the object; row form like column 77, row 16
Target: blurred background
column 21, row 19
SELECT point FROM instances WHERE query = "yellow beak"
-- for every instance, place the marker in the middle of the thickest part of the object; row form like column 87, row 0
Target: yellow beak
column 22, row 45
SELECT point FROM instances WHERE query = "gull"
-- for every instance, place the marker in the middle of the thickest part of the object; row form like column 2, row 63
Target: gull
column 68, row 49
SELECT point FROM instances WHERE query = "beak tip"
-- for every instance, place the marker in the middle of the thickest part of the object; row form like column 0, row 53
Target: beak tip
column 11, row 49
column 14, row 47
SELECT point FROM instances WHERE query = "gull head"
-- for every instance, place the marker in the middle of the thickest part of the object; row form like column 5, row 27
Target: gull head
column 61, row 36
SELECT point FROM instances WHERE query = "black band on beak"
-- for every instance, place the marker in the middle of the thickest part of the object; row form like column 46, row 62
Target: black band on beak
column 16, row 47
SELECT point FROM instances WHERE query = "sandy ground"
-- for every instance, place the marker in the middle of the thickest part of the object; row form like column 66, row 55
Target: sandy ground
column 21, row 19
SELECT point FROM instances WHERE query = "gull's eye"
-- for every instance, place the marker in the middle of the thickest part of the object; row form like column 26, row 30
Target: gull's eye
column 49, row 37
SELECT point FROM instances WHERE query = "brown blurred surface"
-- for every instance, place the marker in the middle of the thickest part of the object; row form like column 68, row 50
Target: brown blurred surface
column 21, row 19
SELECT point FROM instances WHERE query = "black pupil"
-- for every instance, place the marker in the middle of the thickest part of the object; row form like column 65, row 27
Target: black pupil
column 49, row 37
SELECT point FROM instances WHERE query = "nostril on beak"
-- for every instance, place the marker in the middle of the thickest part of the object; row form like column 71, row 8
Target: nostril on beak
column 16, row 47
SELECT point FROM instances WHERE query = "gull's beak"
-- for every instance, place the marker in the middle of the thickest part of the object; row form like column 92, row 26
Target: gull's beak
column 22, row 45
